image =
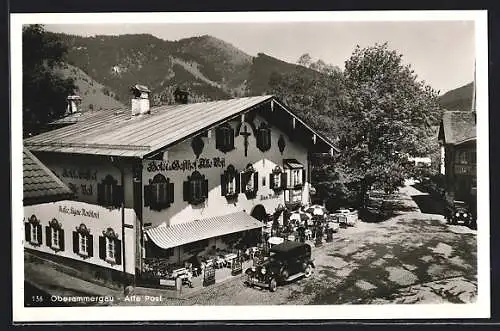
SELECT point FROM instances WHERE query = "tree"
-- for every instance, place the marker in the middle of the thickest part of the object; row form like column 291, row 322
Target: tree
column 388, row 115
column 44, row 91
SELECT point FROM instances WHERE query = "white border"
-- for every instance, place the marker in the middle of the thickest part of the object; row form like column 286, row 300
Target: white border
column 480, row 309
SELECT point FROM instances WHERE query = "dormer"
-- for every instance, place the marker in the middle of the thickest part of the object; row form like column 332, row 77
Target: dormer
column 140, row 100
column 74, row 103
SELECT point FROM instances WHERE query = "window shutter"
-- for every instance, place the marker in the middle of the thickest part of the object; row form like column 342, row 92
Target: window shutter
column 244, row 180
column 27, row 232
column 100, row 193
column 218, row 138
column 205, row 188
column 271, row 180
column 170, row 192
column 186, row 191
column 61, row 240
column 147, row 195
column 238, row 183
column 39, row 228
column 48, row 237
column 118, row 251
column 223, row 185
column 75, row 242
column 91, row 245
column 255, row 181
column 118, row 195
column 304, row 179
column 231, row 139
column 284, row 183
column 102, row 247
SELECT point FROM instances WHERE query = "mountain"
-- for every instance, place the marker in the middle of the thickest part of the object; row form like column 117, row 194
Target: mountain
column 210, row 68
column 458, row 99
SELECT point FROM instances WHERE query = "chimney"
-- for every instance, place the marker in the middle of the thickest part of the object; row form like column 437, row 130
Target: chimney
column 181, row 96
column 140, row 101
column 74, row 103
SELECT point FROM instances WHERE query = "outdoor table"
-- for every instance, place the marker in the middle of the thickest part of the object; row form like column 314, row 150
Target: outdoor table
column 219, row 262
column 229, row 258
column 179, row 272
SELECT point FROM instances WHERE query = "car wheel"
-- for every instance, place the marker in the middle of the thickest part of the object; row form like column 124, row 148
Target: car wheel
column 308, row 272
column 285, row 275
column 273, row 285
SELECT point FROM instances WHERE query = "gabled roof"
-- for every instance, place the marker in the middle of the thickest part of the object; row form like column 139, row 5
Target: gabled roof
column 83, row 116
column 457, row 126
column 139, row 136
column 39, row 183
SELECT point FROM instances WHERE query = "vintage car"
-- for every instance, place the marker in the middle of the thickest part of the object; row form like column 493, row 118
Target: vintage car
column 459, row 213
column 287, row 261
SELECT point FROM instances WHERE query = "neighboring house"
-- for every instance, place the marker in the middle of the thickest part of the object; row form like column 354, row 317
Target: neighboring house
column 175, row 180
column 457, row 137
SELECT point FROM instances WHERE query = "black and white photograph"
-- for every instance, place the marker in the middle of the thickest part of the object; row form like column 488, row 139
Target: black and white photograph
column 293, row 165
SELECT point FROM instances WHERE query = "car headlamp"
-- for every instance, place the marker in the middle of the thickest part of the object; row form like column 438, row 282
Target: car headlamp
column 253, row 269
column 263, row 270
column 465, row 214
column 457, row 214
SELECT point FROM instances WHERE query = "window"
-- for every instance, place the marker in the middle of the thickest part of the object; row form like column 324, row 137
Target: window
column 263, row 137
column 276, row 180
column 83, row 242
column 195, row 189
column 230, row 182
column 159, row 194
column 224, row 138
column 110, row 247
column 463, row 157
column 109, row 193
column 54, row 235
column 33, row 231
column 250, row 182
column 295, row 173
column 293, row 198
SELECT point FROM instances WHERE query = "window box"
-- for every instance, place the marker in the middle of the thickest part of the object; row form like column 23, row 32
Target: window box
column 195, row 189
column 109, row 193
column 83, row 243
column 33, row 231
column 110, row 247
column 230, row 183
column 54, row 236
column 224, row 138
column 159, row 194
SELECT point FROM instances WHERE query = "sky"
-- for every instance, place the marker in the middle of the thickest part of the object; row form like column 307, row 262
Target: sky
column 441, row 52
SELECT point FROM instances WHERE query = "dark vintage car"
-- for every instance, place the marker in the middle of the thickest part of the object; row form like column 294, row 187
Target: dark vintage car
column 287, row 261
column 460, row 213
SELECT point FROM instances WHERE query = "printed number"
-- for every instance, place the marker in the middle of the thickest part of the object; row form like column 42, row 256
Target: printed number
column 37, row 298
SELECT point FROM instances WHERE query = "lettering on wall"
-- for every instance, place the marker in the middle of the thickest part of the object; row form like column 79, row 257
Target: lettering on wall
column 186, row 165
column 84, row 174
column 79, row 212
column 270, row 196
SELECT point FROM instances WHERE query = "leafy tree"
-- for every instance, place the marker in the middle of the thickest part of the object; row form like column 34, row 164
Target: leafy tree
column 387, row 114
column 44, row 91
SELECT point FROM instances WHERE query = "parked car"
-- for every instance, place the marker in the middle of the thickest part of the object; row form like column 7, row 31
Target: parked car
column 287, row 261
column 459, row 213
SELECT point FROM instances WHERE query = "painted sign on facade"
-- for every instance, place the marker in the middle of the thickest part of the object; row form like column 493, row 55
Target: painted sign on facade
column 186, row 165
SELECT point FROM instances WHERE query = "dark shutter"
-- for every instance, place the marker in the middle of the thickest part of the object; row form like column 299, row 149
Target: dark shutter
column 91, row 245
column 48, row 237
column 238, row 183
column 100, row 193
column 231, row 139
column 102, row 248
column 76, row 242
column 205, row 188
column 118, row 195
column 186, row 191
column 271, row 181
column 244, row 180
column 255, row 181
column 218, row 138
column 304, row 178
column 223, row 185
column 170, row 193
column 284, row 183
column 27, row 232
column 61, row 240
column 118, row 251
column 147, row 195
column 39, row 226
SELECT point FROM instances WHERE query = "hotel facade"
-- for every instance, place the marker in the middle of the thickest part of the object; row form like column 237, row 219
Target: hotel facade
column 170, row 181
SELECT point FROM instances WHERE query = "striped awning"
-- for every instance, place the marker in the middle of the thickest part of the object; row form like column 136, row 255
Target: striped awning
column 180, row 234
